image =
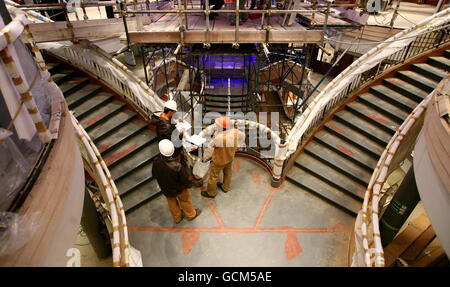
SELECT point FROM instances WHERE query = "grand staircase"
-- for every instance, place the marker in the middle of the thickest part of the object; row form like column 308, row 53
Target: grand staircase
column 338, row 163
column 126, row 143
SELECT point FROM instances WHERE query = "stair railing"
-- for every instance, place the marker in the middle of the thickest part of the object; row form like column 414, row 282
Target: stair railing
column 123, row 254
column 367, row 231
column 407, row 44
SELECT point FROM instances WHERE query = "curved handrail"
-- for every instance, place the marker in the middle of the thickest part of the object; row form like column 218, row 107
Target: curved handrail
column 350, row 79
column 367, row 222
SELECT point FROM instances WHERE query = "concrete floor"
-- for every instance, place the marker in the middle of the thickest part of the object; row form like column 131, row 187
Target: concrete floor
column 252, row 225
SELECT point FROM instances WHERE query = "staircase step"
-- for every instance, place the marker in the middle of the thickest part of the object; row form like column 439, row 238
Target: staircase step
column 128, row 146
column 111, row 125
column 440, row 62
column 149, row 191
column 338, row 162
column 130, row 160
column 346, row 149
column 418, row 80
column 238, row 105
column 137, row 175
column 332, row 195
column 364, row 126
column 429, row 71
column 91, row 104
column 447, row 53
column 331, row 176
column 78, row 97
column 102, row 115
column 130, row 129
column 384, row 107
column 384, row 122
column 354, row 137
column 210, row 108
column 127, row 189
column 140, row 160
column 73, row 84
column 394, row 98
column 53, row 68
column 405, row 89
column 62, row 75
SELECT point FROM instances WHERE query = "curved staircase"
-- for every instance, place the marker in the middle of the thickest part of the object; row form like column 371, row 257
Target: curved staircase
column 338, row 163
column 125, row 141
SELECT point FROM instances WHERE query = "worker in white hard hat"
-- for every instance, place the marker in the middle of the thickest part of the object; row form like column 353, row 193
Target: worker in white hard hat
column 174, row 181
column 165, row 129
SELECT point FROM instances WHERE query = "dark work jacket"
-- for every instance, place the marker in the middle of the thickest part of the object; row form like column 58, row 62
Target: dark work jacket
column 164, row 130
column 172, row 177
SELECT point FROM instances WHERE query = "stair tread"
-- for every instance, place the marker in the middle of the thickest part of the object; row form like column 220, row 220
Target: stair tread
column 314, row 184
column 121, row 134
column 373, row 115
column 110, row 124
column 399, row 99
column 128, row 146
column 346, row 149
column 384, row 106
column 91, row 103
column 329, row 174
column 101, row 113
column 437, row 72
column 71, row 85
column 354, row 136
column 60, row 74
column 341, row 163
column 140, row 195
column 443, row 61
column 406, row 88
column 131, row 163
column 419, row 80
column 136, row 176
column 358, row 122
column 77, row 97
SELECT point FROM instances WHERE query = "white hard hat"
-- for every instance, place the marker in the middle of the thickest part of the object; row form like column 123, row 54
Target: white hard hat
column 171, row 105
column 166, row 148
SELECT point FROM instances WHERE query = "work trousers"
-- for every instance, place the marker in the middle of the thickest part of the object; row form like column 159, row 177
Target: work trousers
column 184, row 200
column 214, row 173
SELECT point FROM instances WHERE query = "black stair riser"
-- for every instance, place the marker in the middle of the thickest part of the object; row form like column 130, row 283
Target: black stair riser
column 132, row 153
column 136, row 186
column 398, row 104
column 131, row 209
column 426, row 73
column 324, row 161
column 415, row 82
column 111, row 147
column 83, row 99
column 438, row 64
column 447, row 54
column 400, row 90
column 362, row 131
column 372, row 121
column 395, row 117
column 343, row 154
column 352, row 213
column 64, row 78
column 139, row 166
column 94, row 108
column 112, row 130
column 104, row 119
column 330, row 182
column 350, row 141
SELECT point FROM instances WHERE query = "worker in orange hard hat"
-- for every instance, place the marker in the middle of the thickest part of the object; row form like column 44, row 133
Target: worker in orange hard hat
column 225, row 142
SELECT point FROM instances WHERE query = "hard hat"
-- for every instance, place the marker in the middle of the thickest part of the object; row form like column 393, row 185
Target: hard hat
column 171, row 105
column 223, row 122
column 166, row 148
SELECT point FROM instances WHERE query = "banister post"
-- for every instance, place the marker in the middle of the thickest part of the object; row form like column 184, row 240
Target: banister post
column 278, row 163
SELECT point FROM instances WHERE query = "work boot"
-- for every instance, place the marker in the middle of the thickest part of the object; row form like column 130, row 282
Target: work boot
column 197, row 213
column 182, row 216
column 220, row 185
column 205, row 194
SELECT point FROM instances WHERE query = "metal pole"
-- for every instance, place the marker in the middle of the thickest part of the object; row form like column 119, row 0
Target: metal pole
column 4, row 13
column 395, row 14
column 326, row 21
column 165, row 73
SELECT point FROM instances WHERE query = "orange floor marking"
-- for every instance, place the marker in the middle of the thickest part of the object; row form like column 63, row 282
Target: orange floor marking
column 95, row 119
column 344, row 150
column 116, row 156
column 292, row 247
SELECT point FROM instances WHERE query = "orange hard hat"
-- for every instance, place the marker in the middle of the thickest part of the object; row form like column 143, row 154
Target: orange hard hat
column 223, row 122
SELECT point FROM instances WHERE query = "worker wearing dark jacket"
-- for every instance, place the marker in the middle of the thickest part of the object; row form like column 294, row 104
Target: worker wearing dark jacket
column 174, row 181
column 164, row 127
